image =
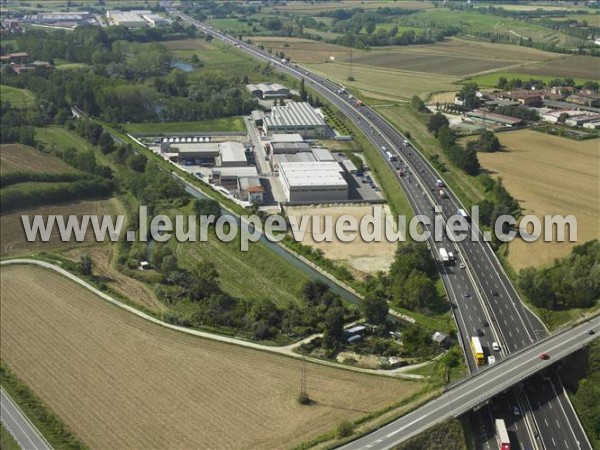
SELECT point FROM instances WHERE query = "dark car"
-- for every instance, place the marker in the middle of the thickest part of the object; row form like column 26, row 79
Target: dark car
column 590, row 331
column 479, row 332
column 544, row 356
column 486, row 324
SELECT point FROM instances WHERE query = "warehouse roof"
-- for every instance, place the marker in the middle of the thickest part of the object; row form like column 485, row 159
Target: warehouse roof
column 294, row 157
column 290, row 147
column 232, row 152
column 248, row 171
column 204, row 147
column 291, row 137
column 294, row 114
column 322, row 154
column 300, row 174
column 250, row 184
column 268, row 89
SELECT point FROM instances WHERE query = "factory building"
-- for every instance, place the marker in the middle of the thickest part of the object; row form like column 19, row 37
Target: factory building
column 306, row 182
column 250, row 189
column 263, row 90
column 298, row 118
column 231, row 154
column 155, row 20
column 196, row 153
column 129, row 19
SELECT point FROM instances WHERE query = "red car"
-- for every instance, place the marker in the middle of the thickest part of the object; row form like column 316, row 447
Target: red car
column 544, row 356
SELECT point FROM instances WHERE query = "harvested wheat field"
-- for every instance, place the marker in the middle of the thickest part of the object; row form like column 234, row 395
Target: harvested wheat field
column 304, row 50
column 549, row 175
column 12, row 233
column 22, row 158
column 119, row 381
column 366, row 257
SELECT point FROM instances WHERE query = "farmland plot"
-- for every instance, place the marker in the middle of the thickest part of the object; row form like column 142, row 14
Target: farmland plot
column 119, row 381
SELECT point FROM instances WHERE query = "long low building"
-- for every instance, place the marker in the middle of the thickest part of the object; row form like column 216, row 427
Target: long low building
column 305, row 182
column 298, row 118
column 264, row 90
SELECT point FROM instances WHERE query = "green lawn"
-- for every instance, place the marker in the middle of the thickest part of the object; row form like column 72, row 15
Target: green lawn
column 19, row 98
column 222, row 124
column 491, row 79
column 233, row 25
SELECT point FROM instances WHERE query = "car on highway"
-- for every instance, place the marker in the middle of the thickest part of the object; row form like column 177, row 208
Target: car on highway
column 544, row 356
column 486, row 324
column 590, row 331
column 516, row 411
column 462, row 265
column 479, row 332
column 491, row 360
column 466, row 295
column 495, row 346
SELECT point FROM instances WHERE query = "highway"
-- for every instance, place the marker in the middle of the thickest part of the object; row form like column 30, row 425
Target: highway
column 479, row 388
column 19, row 426
column 481, row 294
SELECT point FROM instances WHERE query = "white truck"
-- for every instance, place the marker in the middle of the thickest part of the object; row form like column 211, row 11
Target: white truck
column 444, row 257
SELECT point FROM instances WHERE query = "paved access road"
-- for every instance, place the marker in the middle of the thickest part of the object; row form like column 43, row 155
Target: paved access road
column 24, row 432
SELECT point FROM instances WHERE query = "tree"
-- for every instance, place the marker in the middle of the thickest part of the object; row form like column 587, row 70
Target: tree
column 207, row 207
column 468, row 94
column 205, row 281
column 418, row 104
column 85, row 264
column 370, row 27
column 334, row 324
column 488, row 142
column 374, row 308
column 436, row 122
column 303, row 93
column 106, row 143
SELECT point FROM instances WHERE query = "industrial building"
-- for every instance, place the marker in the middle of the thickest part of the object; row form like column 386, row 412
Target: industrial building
column 306, row 182
column 264, row 90
column 155, row 20
column 322, row 154
column 129, row 19
column 250, row 189
column 298, row 118
column 231, row 154
column 493, row 118
column 200, row 153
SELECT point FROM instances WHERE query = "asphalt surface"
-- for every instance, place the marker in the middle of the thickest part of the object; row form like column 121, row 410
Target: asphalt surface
column 475, row 391
column 19, row 426
column 481, row 293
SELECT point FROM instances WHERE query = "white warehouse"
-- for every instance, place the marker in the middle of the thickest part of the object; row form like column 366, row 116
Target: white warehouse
column 293, row 117
column 305, row 182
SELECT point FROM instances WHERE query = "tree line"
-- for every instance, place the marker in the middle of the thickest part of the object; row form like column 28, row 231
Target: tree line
column 572, row 282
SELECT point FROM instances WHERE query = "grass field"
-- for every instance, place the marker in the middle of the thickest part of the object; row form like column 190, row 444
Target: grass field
column 549, row 175
column 366, row 257
column 385, row 83
column 14, row 242
column 252, row 275
column 305, row 50
column 21, row 158
column 19, row 98
column 473, row 22
column 313, row 8
column 577, row 67
column 118, row 381
column 222, row 124
column 457, row 57
column 490, row 80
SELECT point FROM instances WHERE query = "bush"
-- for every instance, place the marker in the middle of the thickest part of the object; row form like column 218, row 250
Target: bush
column 344, row 429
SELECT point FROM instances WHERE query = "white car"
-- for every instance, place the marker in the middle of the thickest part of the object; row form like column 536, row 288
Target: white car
column 495, row 347
column 461, row 265
column 491, row 360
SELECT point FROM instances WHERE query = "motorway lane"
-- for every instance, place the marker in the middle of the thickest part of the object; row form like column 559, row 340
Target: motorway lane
column 467, row 395
column 19, row 426
column 494, row 289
